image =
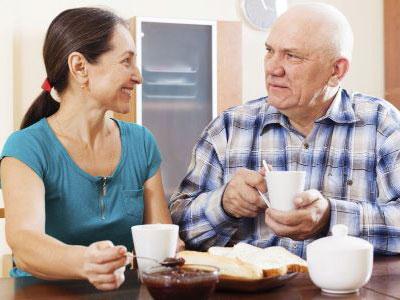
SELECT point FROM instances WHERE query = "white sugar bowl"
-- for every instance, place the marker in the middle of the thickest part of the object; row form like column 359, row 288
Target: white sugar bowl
column 340, row 263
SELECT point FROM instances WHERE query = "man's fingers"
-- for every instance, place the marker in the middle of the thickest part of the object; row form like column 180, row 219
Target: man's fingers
column 242, row 211
column 251, row 198
column 241, row 198
column 180, row 245
column 249, row 212
column 289, row 218
column 253, row 178
column 306, row 198
column 278, row 228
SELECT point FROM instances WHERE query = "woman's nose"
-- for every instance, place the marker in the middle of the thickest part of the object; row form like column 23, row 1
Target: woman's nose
column 136, row 76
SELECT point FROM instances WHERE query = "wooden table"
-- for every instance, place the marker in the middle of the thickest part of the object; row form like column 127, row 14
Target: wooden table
column 384, row 284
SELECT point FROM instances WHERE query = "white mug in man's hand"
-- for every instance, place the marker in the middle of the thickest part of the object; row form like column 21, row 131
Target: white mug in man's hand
column 283, row 186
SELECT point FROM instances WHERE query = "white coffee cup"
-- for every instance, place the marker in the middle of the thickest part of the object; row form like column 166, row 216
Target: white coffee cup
column 154, row 241
column 283, row 186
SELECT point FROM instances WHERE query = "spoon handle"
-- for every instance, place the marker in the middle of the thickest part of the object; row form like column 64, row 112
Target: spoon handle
column 134, row 257
column 265, row 199
column 265, row 165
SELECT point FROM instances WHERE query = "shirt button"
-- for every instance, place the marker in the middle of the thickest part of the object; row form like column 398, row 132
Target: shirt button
column 306, row 145
column 349, row 182
column 295, row 246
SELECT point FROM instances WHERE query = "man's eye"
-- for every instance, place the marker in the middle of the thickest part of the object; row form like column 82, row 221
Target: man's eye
column 292, row 56
column 269, row 52
column 126, row 61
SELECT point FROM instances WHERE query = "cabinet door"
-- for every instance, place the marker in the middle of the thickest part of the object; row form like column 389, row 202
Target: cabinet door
column 176, row 97
column 184, row 87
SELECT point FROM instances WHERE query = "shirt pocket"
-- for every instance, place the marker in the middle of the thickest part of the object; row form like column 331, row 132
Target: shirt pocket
column 336, row 173
column 353, row 182
column 134, row 203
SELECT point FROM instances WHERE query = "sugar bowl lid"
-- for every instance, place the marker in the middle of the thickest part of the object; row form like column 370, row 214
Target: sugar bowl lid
column 340, row 241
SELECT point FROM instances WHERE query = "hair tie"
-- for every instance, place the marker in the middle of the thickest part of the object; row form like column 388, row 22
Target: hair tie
column 46, row 86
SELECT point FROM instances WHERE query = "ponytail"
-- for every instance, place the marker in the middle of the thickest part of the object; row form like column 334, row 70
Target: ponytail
column 43, row 106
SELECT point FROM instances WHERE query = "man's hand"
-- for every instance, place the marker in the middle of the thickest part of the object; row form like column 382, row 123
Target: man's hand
column 240, row 198
column 311, row 217
column 180, row 246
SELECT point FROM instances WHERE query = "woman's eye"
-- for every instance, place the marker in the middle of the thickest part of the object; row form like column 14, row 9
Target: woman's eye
column 126, row 61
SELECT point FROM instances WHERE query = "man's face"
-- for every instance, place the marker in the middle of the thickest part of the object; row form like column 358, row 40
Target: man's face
column 297, row 68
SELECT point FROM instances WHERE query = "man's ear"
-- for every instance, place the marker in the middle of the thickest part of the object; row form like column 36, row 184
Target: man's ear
column 77, row 65
column 340, row 68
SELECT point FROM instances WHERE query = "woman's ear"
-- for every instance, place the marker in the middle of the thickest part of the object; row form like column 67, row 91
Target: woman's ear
column 77, row 65
column 340, row 68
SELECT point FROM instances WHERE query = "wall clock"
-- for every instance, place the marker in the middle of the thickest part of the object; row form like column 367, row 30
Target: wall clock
column 260, row 14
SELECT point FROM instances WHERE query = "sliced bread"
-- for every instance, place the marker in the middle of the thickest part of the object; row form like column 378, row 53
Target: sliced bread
column 229, row 267
column 269, row 259
column 221, row 251
column 271, row 266
column 293, row 262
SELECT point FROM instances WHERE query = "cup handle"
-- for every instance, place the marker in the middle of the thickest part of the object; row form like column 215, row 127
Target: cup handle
column 266, row 200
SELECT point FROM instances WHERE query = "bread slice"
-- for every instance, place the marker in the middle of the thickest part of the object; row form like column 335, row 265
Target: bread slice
column 229, row 267
column 293, row 262
column 272, row 266
column 221, row 251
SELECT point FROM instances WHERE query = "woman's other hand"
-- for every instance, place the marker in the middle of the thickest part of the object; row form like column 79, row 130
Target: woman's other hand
column 104, row 265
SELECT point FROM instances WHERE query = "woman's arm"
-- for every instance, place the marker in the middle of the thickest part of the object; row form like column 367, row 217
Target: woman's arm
column 40, row 254
column 33, row 250
column 155, row 205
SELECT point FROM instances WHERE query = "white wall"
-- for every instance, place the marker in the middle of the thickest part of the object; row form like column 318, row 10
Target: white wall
column 6, row 97
column 6, row 74
column 22, row 70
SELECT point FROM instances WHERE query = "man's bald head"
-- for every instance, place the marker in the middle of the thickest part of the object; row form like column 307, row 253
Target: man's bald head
column 308, row 53
column 325, row 27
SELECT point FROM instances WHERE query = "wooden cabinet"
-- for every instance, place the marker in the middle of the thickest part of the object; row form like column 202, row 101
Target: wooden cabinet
column 391, row 19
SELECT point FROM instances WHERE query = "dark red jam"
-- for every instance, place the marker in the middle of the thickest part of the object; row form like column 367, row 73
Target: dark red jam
column 180, row 283
column 173, row 262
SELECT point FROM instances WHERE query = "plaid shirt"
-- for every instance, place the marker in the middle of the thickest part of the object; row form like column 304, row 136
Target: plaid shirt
column 352, row 156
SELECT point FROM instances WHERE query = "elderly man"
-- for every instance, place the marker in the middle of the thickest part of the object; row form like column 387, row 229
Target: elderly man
column 347, row 143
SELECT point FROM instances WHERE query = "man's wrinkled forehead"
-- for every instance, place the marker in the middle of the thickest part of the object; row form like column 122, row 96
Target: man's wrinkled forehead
column 296, row 32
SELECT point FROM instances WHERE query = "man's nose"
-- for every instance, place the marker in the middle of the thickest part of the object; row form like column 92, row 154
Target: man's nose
column 274, row 66
column 136, row 76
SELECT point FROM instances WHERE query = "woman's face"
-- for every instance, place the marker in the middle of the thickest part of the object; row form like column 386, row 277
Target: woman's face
column 113, row 77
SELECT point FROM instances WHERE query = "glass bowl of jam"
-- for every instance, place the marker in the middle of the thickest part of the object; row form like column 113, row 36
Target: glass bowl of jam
column 189, row 281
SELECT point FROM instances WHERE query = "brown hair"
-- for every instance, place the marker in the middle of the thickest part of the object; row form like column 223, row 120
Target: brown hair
column 86, row 30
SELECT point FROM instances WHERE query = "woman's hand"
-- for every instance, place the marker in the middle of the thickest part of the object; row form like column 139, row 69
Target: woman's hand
column 104, row 265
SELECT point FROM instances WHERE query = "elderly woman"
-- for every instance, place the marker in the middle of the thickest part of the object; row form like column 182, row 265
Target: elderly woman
column 75, row 180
